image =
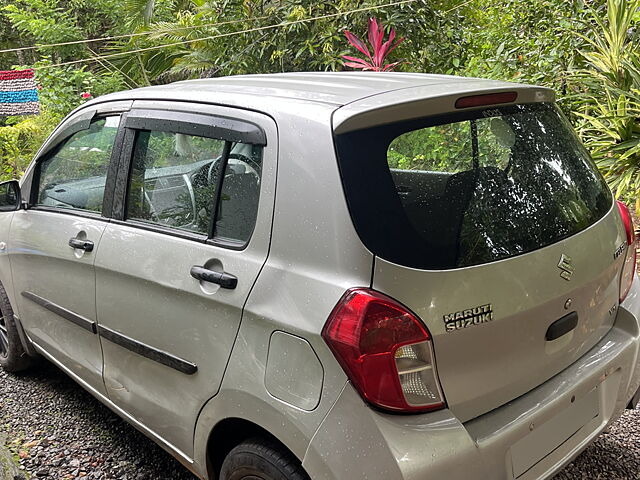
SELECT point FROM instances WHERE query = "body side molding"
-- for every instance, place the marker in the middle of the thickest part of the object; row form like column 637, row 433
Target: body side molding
column 135, row 346
column 63, row 312
column 151, row 353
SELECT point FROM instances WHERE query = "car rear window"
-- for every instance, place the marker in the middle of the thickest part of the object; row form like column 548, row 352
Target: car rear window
column 470, row 188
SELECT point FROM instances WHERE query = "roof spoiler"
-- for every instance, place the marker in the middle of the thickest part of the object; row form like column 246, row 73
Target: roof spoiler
column 415, row 102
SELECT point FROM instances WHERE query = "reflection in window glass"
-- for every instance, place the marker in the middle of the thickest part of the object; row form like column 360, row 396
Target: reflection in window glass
column 74, row 176
column 445, row 148
column 240, row 192
column 498, row 185
column 174, row 179
column 470, row 187
column 8, row 196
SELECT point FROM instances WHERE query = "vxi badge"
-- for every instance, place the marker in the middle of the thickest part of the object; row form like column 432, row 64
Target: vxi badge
column 468, row 318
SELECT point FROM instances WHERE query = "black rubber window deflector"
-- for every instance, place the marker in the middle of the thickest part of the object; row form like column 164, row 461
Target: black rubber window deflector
column 79, row 123
column 210, row 126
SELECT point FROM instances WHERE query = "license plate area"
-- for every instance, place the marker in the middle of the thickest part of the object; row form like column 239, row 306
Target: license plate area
column 546, row 438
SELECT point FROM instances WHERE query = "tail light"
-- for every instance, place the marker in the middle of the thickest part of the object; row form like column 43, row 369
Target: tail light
column 385, row 351
column 629, row 267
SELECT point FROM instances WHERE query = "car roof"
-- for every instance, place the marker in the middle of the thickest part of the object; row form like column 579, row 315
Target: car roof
column 332, row 88
column 336, row 88
column 274, row 94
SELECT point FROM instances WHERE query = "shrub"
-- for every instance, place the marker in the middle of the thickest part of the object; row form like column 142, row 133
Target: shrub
column 609, row 105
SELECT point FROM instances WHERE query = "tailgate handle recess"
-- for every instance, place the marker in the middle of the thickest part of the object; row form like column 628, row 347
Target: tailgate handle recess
column 562, row 326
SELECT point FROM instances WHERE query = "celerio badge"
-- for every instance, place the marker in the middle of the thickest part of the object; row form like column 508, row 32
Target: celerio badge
column 468, row 318
column 565, row 264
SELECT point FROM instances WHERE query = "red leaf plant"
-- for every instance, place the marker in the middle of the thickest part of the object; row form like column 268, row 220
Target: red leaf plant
column 381, row 49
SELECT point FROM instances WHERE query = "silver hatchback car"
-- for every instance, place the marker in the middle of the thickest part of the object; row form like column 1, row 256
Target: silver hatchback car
column 329, row 275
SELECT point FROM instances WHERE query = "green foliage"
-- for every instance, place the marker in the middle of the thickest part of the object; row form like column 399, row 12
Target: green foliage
column 444, row 148
column 54, row 21
column 63, row 86
column 537, row 42
column 27, row 22
column 532, row 41
column 42, row 19
column 21, row 137
column 586, row 50
column 609, row 105
column 449, row 147
column 19, row 142
column 283, row 38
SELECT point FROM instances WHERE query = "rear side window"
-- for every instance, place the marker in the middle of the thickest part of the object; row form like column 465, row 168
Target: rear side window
column 470, row 188
column 175, row 182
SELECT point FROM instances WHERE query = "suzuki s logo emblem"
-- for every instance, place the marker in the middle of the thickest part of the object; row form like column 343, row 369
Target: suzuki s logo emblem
column 565, row 264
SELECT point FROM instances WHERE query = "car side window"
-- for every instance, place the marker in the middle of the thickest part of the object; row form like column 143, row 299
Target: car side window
column 238, row 206
column 175, row 179
column 74, row 176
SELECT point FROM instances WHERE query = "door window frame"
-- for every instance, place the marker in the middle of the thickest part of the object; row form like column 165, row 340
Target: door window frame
column 217, row 127
column 58, row 139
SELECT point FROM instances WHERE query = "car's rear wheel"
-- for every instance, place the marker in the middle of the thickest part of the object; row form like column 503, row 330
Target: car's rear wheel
column 13, row 358
column 257, row 459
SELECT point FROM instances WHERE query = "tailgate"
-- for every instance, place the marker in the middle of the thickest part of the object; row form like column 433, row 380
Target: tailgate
column 490, row 322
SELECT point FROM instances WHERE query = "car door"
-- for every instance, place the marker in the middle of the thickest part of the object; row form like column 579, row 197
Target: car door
column 53, row 242
column 176, row 264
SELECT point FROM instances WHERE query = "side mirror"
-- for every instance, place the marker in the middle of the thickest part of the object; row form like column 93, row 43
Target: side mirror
column 10, row 198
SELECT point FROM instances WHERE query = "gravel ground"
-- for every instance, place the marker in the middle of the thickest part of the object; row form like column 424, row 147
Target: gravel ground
column 58, row 431
column 613, row 456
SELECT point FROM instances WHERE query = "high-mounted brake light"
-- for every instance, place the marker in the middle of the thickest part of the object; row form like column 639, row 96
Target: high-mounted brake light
column 486, row 99
column 385, row 351
column 629, row 267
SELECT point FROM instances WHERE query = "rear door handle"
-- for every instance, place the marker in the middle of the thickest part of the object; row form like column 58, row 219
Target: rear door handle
column 225, row 280
column 86, row 245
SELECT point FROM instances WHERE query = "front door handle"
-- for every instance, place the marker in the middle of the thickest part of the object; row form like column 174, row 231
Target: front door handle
column 225, row 280
column 86, row 245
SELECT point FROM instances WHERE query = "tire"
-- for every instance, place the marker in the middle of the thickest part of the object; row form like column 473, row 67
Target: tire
column 257, row 459
column 13, row 358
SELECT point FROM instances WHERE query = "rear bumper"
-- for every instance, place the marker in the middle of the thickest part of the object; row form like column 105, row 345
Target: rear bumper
column 532, row 437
